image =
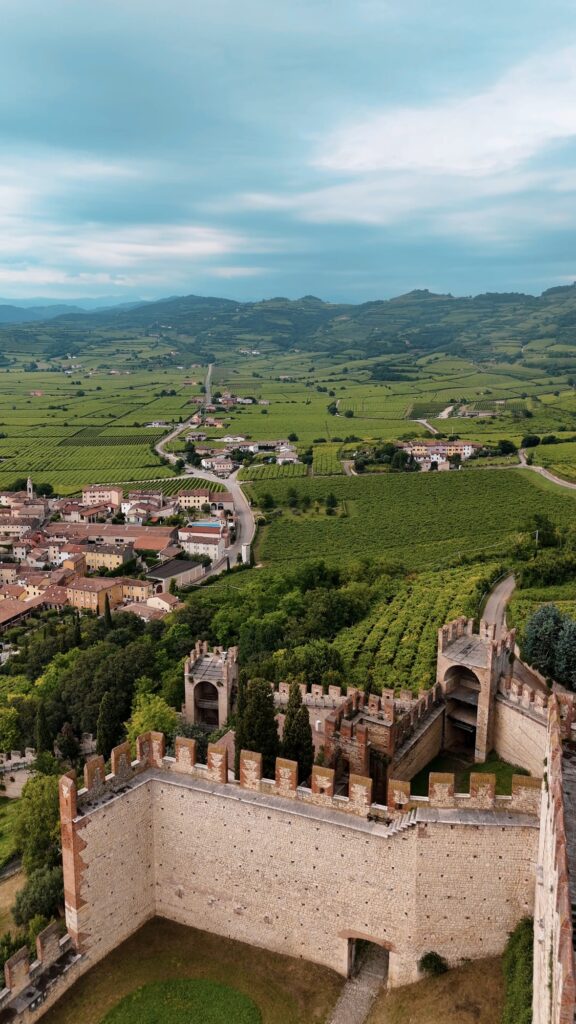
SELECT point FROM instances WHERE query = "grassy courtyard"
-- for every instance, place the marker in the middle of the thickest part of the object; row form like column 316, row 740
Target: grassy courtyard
column 282, row 990
column 462, row 767
column 185, row 1002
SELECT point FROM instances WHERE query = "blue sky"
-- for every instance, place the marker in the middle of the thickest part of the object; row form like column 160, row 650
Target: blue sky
column 351, row 149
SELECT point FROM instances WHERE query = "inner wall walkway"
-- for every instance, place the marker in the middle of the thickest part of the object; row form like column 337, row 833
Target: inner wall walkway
column 359, row 993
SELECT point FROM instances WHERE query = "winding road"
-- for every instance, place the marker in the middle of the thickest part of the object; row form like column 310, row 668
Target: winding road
column 523, row 464
column 245, row 523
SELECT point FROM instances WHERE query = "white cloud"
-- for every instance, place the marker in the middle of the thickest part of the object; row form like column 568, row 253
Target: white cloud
column 490, row 132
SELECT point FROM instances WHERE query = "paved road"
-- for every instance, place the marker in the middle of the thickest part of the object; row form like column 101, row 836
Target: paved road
column 545, row 472
column 495, row 608
column 245, row 523
column 208, row 385
column 428, row 426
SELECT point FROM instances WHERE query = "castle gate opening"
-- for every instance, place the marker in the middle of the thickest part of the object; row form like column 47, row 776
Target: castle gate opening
column 368, row 956
column 462, row 688
column 206, row 703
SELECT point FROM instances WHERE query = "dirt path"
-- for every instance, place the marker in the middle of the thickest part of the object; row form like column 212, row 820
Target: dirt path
column 359, row 992
column 428, row 426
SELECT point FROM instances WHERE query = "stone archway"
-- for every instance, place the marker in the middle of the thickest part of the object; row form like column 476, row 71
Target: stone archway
column 206, row 704
column 462, row 689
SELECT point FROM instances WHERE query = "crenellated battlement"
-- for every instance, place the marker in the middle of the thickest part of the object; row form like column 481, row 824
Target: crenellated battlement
column 99, row 787
column 524, row 799
column 30, row 984
column 524, row 696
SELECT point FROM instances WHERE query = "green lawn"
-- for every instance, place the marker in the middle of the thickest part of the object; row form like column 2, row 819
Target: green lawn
column 185, row 1002
column 462, row 768
column 284, row 990
column 7, row 811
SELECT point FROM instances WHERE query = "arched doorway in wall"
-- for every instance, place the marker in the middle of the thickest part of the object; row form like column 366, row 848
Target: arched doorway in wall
column 206, row 704
column 462, row 688
column 367, row 953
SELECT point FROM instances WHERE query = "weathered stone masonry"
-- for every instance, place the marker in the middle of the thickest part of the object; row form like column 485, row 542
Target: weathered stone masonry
column 296, row 870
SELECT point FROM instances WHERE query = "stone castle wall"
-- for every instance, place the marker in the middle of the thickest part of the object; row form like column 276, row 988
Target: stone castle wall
column 296, row 870
column 554, row 974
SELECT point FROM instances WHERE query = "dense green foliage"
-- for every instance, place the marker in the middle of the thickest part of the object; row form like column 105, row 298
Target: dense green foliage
column 422, row 519
column 257, row 728
column 185, row 1002
column 517, row 968
column 297, row 736
column 42, row 895
column 37, row 823
column 550, row 644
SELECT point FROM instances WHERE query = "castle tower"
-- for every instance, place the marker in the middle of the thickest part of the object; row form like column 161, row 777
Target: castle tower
column 210, row 682
column 469, row 668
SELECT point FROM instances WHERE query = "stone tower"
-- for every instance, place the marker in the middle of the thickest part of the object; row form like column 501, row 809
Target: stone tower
column 210, row 682
column 469, row 668
column 29, row 488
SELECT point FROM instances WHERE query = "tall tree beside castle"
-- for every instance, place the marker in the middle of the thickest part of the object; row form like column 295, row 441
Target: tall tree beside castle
column 240, row 737
column 297, row 738
column 257, row 729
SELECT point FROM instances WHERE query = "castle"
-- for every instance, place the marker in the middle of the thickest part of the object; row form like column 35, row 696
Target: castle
column 310, row 871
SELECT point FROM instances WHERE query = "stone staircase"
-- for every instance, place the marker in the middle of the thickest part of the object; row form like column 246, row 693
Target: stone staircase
column 402, row 823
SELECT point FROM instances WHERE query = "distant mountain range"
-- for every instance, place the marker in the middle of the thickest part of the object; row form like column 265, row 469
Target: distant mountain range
column 490, row 326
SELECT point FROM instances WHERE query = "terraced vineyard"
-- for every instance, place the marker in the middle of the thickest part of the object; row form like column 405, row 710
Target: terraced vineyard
column 558, row 458
column 423, row 520
column 172, row 486
column 327, row 460
column 265, row 471
column 395, row 646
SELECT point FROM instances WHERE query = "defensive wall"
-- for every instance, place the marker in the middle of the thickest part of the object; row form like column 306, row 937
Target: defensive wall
column 300, row 871
column 554, row 974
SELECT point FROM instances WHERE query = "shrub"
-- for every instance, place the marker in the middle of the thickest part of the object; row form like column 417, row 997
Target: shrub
column 432, row 964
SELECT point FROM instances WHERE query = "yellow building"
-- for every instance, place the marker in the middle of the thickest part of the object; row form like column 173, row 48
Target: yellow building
column 107, row 556
column 90, row 594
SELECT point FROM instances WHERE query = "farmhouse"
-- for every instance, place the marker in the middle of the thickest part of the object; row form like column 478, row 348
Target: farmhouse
column 439, row 451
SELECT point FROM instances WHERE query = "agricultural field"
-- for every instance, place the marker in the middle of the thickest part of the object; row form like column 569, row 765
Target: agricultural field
column 395, row 645
column 71, row 421
column 173, row 485
column 558, row 458
column 327, row 460
column 525, row 602
column 423, row 521
column 272, row 471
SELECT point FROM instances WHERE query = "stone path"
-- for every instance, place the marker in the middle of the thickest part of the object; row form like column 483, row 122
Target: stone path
column 359, row 992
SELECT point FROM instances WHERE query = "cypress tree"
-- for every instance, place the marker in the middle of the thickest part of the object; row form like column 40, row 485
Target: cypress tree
column 77, row 640
column 108, row 727
column 259, row 731
column 42, row 735
column 297, row 737
column 107, row 613
column 240, row 732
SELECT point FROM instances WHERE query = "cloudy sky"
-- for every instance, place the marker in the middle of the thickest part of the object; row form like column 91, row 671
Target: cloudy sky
column 351, row 149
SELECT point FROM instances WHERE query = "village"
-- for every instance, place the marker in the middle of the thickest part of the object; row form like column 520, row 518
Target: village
column 108, row 550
